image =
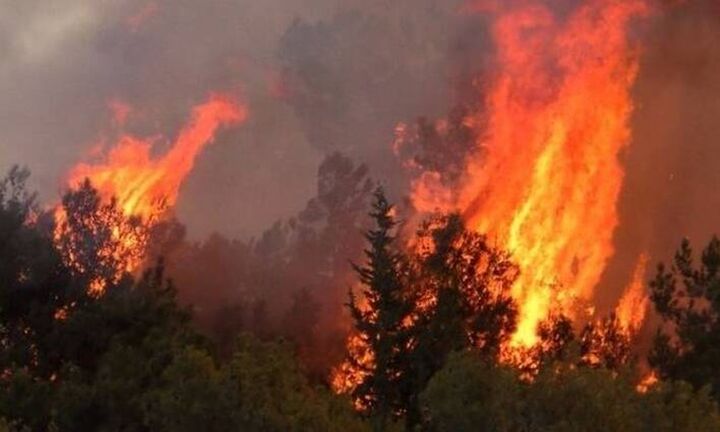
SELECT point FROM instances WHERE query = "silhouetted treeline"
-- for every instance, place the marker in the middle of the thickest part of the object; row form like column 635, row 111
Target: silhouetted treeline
column 126, row 357
column 86, row 346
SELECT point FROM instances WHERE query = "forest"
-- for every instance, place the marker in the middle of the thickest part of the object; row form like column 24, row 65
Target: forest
column 87, row 345
column 354, row 215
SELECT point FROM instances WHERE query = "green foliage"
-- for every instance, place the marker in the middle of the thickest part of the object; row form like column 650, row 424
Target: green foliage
column 109, row 351
column 676, row 406
column 6, row 426
column 687, row 296
column 25, row 400
column 470, row 394
column 260, row 389
column 190, row 396
column 273, row 394
column 569, row 398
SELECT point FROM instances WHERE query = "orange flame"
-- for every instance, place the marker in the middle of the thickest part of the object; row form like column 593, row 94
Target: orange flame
column 546, row 177
column 645, row 384
column 145, row 186
column 634, row 303
column 345, row 378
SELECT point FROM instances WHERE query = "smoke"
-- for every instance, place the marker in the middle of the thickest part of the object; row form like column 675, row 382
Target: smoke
column 318, row 76
column 321, row 76
column 352, row 77
column 671, row 175
column 292, row 281
column 64, row 63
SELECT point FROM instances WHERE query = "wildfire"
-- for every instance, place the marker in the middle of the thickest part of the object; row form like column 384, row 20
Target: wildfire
column 349, row 374
column 647, row 382
column 634, row 303
column 141, row 183
column 145, row 186
column 545, row 178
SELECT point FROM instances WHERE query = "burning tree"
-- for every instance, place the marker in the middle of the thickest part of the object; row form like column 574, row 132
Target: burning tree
column 464, row 287
column 605, row 343
column 453, row 295
column 557, row 336
column 549, row 130
column 105, row 221
column 96, row 239
column 381, row 319
column 466, row 284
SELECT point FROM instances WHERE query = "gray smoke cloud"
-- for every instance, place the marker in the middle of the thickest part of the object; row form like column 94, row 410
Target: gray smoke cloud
column 326, row 75
column 318, row 76
column 63, row 63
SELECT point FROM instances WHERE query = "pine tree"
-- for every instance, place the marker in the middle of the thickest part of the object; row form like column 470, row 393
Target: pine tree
column 381, row 321
column 686, row 295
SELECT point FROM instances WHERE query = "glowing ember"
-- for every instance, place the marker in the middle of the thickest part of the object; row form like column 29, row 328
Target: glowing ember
column 647, row 382
column 546, row 177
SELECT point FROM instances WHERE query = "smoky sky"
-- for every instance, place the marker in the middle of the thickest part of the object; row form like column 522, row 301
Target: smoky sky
column 318, row 76
column 671, row 188
column 326, row 75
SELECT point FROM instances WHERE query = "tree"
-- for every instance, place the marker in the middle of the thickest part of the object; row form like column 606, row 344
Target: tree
column 301, row 319
column 440, row 147
column 113, row 349
column 270, row 393
column 230, row 321
column 687, row 297
column 260, row 388
column 34, row 282
column 556, row 337
column 96, row 239
column 464, row 288
column 471, row 394
column 605, row 343
column 190, row 396
column 382, row 319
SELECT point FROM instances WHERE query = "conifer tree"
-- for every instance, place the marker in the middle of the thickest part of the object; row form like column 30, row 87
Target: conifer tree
column 381, row 320
column 686, row 295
